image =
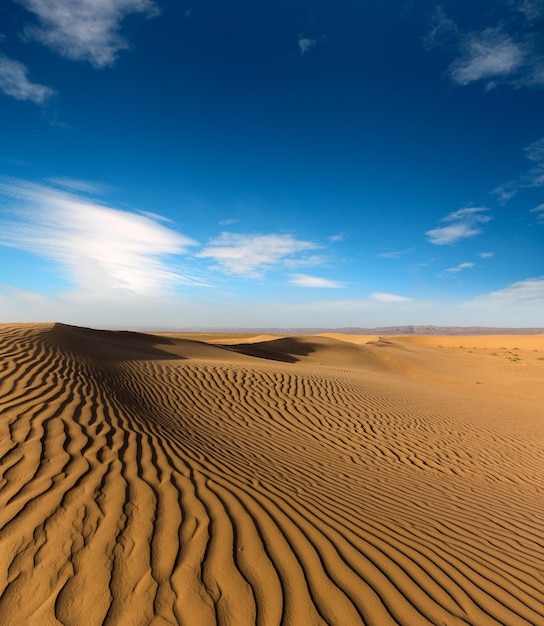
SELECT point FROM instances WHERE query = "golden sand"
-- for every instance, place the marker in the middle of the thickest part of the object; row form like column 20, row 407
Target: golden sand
column 270, row 480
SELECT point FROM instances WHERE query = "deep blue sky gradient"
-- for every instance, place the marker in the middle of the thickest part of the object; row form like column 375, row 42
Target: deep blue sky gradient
column 216, row 119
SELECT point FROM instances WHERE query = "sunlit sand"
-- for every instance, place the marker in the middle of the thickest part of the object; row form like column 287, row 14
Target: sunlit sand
column 298, row 480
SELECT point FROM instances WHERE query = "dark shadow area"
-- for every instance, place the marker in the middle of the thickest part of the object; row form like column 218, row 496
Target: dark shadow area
column 112, row 345
column 285, row 350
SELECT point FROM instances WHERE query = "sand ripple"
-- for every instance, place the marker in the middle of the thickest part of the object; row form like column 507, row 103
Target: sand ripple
column 148, row 480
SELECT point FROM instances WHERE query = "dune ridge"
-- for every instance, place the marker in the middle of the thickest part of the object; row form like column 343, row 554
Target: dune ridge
column 154, row 479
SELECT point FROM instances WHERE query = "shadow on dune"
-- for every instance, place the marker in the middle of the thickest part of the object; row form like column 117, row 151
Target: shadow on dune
column 111, row 345
column 286, row 350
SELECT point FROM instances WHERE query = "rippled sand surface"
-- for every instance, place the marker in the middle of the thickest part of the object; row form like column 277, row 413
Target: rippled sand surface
column 176, row 479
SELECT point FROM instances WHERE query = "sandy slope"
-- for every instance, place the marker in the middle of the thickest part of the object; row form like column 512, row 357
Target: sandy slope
column 287, row 480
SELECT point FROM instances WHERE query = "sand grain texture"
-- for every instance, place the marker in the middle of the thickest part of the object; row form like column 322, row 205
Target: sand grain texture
column 281, row 480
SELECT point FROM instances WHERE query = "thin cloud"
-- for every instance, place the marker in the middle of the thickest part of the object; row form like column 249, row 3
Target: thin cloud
column 84, row 30
column 306, row 260
column 490, row 55
column 504, row 194
column 539, row 210
column 507, row 53
column 523, row 292
column 534, row 178
column 441, row 32
column 463, row 224
column 458, row 268
column 228, row 221
column 486, row 255
column 305, row 44
column 99, row 247
column 395, row 254
column 338, row 237
column 253, row 255
column 535, row 153
column 388, row 297
column 14, row 82
column 531, row 9
column 303, row 280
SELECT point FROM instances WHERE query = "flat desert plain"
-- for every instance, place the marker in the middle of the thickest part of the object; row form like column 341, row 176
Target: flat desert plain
column 299, row 480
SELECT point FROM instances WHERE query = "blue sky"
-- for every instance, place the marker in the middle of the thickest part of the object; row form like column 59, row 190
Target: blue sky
column 256, row 164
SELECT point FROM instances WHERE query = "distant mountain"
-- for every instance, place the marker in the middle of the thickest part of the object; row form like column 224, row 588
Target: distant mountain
column 354, row 330
column 440, row 330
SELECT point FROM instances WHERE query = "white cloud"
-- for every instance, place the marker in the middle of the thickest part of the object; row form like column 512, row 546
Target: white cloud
column 457, row 269
column 486, row 255
column 487, row 55
column 99, row 247
column 14, row 82
column 524, row 292
column 304, row 43
column 507, row 53
column 252, row 255
column 85, row 30
column 519, row 304
column 388, row 297
column 464, row 223
column 303, row 280
column 228, row 221
column 337, row 238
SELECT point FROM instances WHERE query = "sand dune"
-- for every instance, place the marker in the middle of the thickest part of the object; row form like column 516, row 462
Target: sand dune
column 159, row 479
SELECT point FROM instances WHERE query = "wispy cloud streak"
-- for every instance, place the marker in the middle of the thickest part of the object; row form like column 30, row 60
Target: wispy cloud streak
column 303, row 280
column 530, row 290
column 388, row 297
column 458, row 268
column 462, row 224
column 99, row 247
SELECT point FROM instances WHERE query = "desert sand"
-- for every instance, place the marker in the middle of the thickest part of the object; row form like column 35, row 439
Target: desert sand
column 239, row 480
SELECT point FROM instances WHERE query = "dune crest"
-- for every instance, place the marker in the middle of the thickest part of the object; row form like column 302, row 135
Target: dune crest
column 155, row 479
